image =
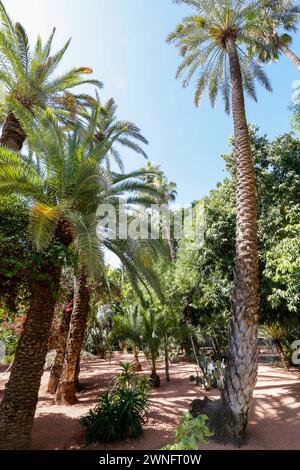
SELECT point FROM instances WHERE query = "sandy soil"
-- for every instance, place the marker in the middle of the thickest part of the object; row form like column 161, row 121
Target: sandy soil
column 274, row 420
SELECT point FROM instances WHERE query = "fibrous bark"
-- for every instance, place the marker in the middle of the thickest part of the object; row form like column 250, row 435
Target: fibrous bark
column 18, row 406
column 66, row 390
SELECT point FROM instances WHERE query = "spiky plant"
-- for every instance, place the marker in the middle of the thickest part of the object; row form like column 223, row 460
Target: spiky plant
column 28, row 77
column 214, row 43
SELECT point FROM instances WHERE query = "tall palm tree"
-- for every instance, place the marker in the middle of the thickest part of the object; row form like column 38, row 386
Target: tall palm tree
column 28, row 77
column 61, row 181
column 213, row 42
column 278, row 18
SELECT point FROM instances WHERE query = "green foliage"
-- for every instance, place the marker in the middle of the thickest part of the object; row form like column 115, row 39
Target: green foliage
column 28, row 75
column 190, row 433
column 127, row 134
column 120, row 412
column 201, row 39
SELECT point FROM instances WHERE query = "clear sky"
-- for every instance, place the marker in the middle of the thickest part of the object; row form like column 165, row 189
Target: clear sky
column 124, row 42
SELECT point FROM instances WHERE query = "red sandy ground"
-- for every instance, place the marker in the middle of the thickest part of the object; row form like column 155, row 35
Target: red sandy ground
column 274, row 421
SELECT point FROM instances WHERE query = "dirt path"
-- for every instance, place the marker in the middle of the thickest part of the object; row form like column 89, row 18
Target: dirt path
column 274, row 421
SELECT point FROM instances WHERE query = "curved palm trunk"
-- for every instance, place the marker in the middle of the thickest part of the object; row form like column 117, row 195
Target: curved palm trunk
column 290, row 55
column 66, row 390
column 57, row 367
column 229, row 416
column 18, row 406
column 13, row 136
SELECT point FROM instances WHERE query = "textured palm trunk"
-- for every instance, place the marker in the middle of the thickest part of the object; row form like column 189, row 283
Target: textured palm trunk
column 66, row 390
column 18, row 406
column 57, row 367
column 241, row 370
column 13, row 136
column 229, row 416
column 290, row 55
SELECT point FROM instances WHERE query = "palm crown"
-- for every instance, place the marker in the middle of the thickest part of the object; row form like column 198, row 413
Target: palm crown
column 275, row 20
column 27, row 76
column 201, row 39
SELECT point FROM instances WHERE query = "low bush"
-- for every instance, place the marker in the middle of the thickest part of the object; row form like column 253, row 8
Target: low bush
column 120, row 412
column 190, row 433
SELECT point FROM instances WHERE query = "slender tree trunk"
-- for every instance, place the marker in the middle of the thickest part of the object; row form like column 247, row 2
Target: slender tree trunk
column 13, row 136
column 241, row 371
column 154, row 377
column 290, row 55
column 57, row 367
column 167, row 367
column 172, row 248
column 66, row 390
column 229, row 416
column 18, row 406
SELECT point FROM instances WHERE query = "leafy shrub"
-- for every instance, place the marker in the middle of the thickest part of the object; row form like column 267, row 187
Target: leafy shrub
column 190, row 433
column 120, row 412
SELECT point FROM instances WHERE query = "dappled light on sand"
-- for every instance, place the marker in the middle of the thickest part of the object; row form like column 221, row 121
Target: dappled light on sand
column 275, row 405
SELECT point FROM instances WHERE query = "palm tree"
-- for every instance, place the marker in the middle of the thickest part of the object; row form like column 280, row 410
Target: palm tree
column 275, row 16
column 137, row 256
column 108, row 126
column 61, row 181
column 213, row 41
column 27, row 77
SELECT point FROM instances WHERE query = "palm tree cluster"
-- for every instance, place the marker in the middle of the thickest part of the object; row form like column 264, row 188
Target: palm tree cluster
column 61, row 153
column 63, row 173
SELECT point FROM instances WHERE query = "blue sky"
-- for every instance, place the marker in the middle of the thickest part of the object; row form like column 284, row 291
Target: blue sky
column 124, row 42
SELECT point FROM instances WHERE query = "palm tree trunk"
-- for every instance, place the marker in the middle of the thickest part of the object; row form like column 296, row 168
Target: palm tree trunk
column 57, row 367
column 154, row 377
column 229, row 416
column 172, row 248
column 13, row 136
column 290, row 55
column 66, row 390
column 241, row 370
column 18, row 406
